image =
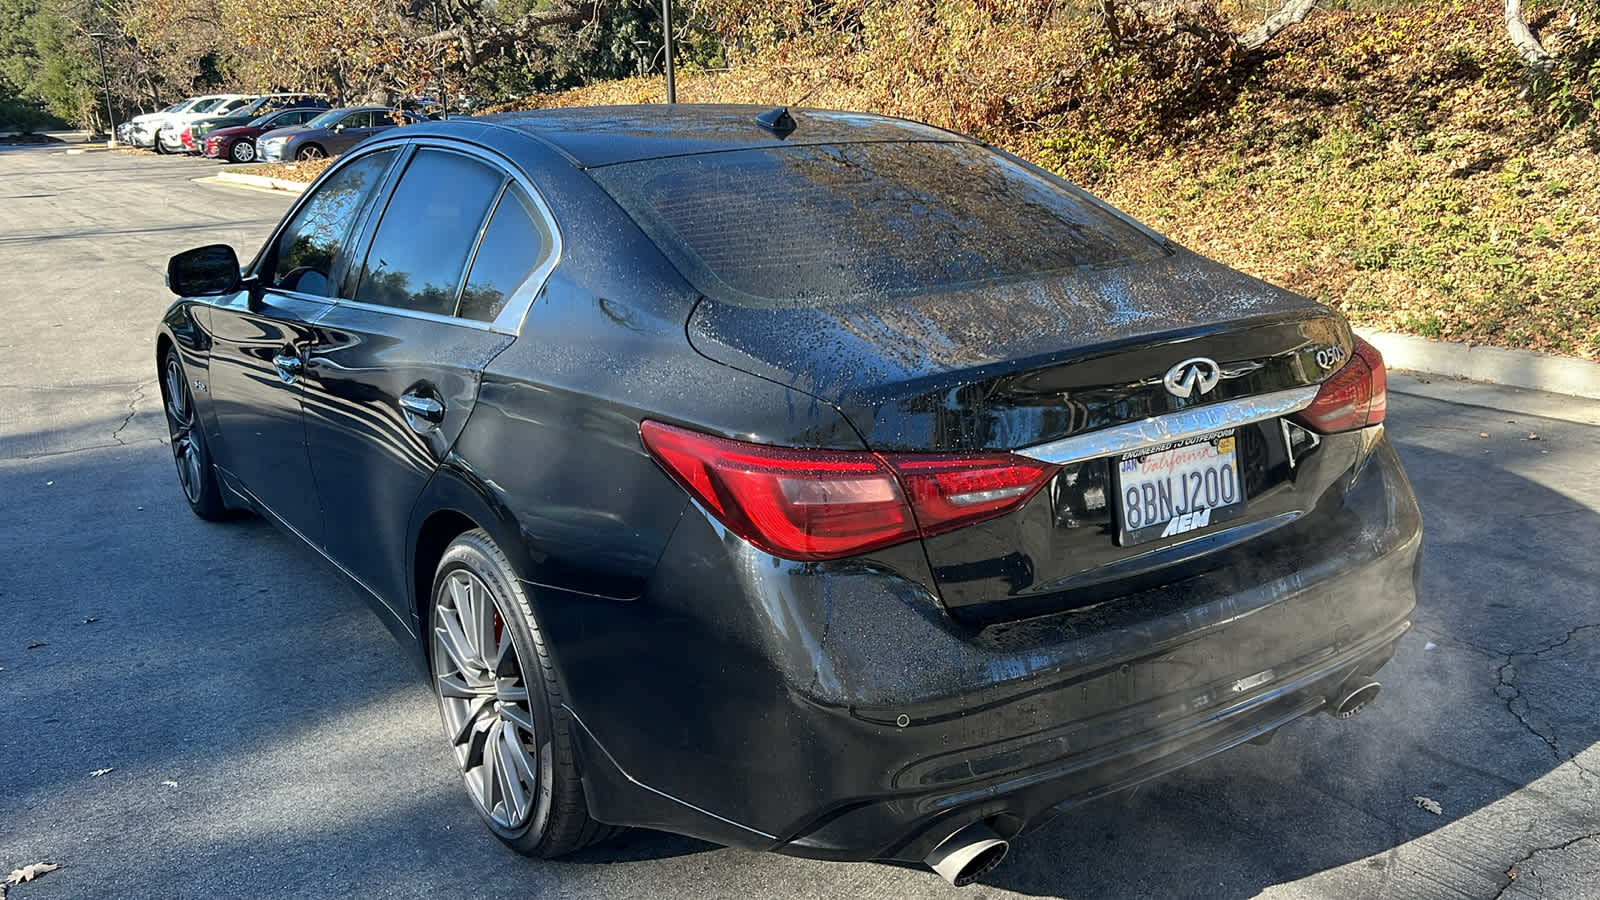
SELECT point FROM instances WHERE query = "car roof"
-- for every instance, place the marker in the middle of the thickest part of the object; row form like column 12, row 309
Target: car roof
column 595, row 136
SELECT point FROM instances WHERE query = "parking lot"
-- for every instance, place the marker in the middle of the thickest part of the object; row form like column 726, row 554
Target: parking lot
column 262, row 734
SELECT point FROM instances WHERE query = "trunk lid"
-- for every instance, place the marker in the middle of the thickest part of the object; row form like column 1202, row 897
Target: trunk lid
column 1015, row 365
column 1025, row 364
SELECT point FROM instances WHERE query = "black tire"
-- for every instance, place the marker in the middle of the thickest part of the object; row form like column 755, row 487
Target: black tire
column 556, row 821
column 242, row 151
column 196, row 476
column 157, row 145
column 310, row 152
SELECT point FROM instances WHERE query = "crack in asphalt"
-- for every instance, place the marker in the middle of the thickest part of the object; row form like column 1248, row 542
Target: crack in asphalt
column 1515, row 694
column 133, row 410
column 1511, row 879
column 138, row 390
column 49, row 454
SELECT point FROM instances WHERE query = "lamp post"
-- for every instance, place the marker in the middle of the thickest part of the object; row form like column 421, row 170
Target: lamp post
column 105, row 83
column 666, row 37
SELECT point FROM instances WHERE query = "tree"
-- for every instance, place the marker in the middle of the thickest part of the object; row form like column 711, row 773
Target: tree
column 1528, row 46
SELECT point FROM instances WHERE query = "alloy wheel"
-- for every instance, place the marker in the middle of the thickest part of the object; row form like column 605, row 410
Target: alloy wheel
column 242, row 151
column 311, row 152
column 483, row 697
column 180, row 424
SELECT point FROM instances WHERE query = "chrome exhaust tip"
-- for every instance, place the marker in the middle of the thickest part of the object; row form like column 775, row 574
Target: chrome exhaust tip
column 964, row 856
column 1350, row 701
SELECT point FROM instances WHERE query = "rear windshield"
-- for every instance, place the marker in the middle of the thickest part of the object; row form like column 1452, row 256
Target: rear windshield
column 819, row 224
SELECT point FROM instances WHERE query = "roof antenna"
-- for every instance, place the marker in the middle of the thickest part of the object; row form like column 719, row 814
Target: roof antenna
column 778, row 121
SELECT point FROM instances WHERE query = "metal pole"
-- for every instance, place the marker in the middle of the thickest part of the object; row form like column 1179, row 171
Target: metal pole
column 105, row 84
column 666, row 29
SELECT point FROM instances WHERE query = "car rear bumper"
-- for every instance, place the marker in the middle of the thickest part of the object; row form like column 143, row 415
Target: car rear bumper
column 835, row 711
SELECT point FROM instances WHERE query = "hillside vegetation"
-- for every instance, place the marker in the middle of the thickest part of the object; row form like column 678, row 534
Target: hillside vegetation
column 1401, row 164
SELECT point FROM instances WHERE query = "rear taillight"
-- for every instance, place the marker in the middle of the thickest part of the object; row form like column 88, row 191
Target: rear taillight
column 1354, row 397
column 827, row 504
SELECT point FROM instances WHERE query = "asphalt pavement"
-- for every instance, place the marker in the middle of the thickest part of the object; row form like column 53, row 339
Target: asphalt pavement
column 258, row 732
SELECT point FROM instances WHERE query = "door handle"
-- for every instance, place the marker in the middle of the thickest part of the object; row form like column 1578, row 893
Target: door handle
column 289, row 367
column 422, row 412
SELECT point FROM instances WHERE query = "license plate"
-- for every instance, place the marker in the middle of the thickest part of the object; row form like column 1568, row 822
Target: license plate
column 1177, row 488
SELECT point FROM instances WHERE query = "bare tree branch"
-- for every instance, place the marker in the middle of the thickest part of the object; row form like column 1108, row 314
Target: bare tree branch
column 1292, row 12
column 1532, row 52
column 477, row 46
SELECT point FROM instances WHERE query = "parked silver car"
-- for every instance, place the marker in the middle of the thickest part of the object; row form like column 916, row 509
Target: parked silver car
column 331, row 133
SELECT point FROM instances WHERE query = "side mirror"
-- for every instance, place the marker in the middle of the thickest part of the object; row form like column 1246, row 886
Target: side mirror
column 204, row 272
column 338, row 128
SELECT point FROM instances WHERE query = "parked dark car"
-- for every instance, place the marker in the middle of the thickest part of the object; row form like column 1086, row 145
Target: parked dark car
column 238, row 143
column 194, row 135
column 813, row 482
column 331, row 133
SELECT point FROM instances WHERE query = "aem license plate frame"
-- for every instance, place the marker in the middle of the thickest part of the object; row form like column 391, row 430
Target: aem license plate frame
column 1175, row 514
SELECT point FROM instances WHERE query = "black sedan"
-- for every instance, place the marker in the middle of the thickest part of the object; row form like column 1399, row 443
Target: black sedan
column 813, row 482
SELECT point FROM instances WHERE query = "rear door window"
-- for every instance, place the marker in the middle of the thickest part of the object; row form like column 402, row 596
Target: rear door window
column 419, row 250
column 513, row 245
column 313, row 247
column 812, row 225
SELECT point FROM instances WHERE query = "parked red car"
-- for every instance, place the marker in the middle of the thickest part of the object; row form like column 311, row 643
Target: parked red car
column 238, row 144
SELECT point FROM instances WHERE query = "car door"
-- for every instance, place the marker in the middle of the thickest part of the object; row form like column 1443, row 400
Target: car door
column 395, row 366
column 351, row 130
column 260, row 337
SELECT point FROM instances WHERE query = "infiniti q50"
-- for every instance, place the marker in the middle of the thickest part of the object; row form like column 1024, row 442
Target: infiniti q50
column 805, row 481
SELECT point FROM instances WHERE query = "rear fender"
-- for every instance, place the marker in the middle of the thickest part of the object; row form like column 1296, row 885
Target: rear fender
column 455, row 488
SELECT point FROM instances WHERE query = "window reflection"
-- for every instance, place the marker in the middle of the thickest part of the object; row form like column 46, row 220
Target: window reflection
column 512, row 245
column 309, row 249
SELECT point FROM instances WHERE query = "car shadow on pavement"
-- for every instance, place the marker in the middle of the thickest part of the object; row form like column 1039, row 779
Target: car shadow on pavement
column 303, row 743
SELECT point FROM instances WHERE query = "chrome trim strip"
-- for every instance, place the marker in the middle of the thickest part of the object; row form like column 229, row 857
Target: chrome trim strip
column 511, row 316
column 1174, row 426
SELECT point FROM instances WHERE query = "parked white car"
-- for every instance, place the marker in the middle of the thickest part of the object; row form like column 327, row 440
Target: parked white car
column 160, row 128
column 167, row 137
column 142, row 128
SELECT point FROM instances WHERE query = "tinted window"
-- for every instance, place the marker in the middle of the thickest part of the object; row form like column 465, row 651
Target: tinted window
column 357, row 120
column 815, row 224
column 513, row 245
column 326, row 119
column 420, row 248
column 310, row 249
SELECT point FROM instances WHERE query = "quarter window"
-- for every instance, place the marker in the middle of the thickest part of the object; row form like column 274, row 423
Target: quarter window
column 420, row 248
column 513, row 244
column 312, row 248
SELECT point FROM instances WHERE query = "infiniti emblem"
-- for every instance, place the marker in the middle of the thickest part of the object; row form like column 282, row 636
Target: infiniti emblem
column 1198, row 375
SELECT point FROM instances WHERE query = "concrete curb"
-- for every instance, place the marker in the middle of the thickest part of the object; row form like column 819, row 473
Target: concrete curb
column 262, row 181
column 1511, row 368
